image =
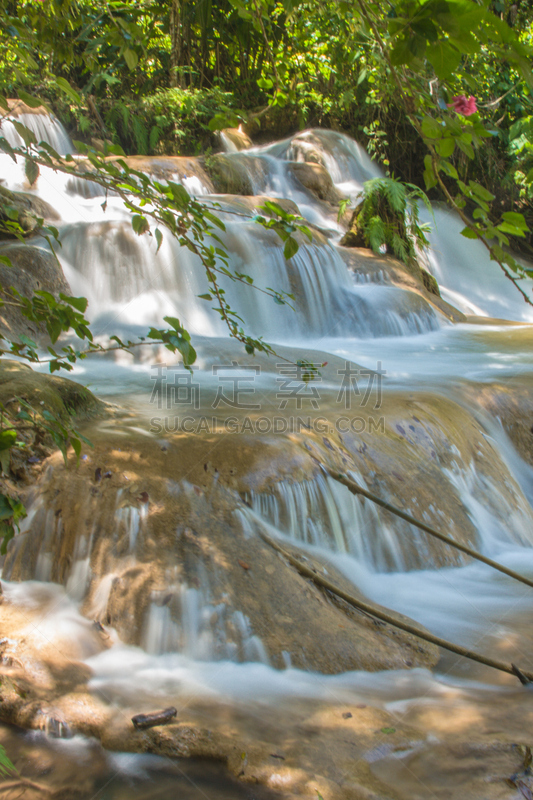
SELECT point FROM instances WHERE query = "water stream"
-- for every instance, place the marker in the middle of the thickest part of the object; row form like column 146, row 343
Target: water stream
column 198, row 644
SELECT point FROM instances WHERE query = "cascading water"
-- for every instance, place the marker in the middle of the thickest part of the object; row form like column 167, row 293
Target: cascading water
column 46, row 128
column 165, row 589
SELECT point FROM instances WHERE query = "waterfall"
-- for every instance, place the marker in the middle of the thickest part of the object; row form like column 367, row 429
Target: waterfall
column 467, row 276
column 46, row 128
column 168, row 578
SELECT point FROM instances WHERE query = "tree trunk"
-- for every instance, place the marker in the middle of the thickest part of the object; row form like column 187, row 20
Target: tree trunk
column 175, row 43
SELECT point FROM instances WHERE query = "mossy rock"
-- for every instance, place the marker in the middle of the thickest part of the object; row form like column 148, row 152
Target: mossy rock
column 62, row 397
column 229, row 175
column 430, row 282
column 33, row 269
column 28, row 207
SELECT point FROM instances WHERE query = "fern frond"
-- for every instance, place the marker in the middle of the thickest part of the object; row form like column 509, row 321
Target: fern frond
column 155, row 133
column 399, row 248
column 395, row 193
column 140, row 135
column 375, row 232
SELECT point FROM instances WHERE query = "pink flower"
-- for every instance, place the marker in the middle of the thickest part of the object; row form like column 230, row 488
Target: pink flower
column 464, row 105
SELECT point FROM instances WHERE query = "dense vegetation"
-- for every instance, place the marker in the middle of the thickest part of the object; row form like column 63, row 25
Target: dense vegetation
column 156, row 76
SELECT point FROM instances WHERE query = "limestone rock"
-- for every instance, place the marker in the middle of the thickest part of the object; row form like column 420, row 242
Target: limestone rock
column 388, row 270
column 232, row 176
column 316, row 179
column 238, row 138
column 64, row 398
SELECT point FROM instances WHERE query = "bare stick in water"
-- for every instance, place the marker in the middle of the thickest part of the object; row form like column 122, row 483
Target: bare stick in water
column 511, row 669
column 356, row 489
column 142, row 721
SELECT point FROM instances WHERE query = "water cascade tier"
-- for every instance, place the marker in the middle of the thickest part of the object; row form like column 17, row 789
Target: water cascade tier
column 140, row 579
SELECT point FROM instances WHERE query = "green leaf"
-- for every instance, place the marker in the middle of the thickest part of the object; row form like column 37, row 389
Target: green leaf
column 205, row 296
column 140, row 224
column 466, row 148
column 265, row 83
column 131, row 58
column 483, row 193
column 432, row 128
column 32, row 171
column 159, row 239
column 445, row 147
column 505, row 227
column 513, row 218
column 291, row 248
column 444, row 58
column 76, row 446
column 7, row 439
column 32, row 102
column 65, row 86
column 79, row 303
column 402, row 53
column 6, row 766
column 468, row 233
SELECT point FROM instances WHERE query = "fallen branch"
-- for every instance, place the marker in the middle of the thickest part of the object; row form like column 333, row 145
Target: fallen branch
column 356, row 489
column 27, row 784
column 141, row 721
column 372, row 611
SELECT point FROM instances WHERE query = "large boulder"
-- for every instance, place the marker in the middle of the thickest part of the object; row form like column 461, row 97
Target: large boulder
column 25, row 209
column 33, row 269
column 317, row 180
column 234, row 175
column 367, row 265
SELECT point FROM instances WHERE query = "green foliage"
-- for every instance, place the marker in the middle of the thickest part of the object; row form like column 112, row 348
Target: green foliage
column 387, row 219
column 170, row 120
column 6, row 766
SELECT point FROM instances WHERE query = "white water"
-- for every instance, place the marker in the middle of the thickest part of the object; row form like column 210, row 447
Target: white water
column 128, row 286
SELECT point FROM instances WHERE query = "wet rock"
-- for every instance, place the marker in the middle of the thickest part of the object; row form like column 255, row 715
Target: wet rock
column 316, row 178
column 385, row 270
column 28, row 207
column 252, row 205
column 233, row 176
column 34, row 269
column 64, row 398
column 238, row 138
column 163, row 168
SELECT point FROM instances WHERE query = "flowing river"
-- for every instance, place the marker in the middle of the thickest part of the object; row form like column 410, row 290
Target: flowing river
column 427, row 405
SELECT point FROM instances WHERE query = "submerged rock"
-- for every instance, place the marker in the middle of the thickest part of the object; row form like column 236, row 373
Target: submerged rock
column 366, row 266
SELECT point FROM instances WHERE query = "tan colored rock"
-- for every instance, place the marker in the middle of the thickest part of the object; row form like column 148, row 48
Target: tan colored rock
column 63, row 397
column 252, row 205
column 17, row 108
column 238, row 138
column 232, row 175
column 316, row 178
column 388, row 270
column 168, row 167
